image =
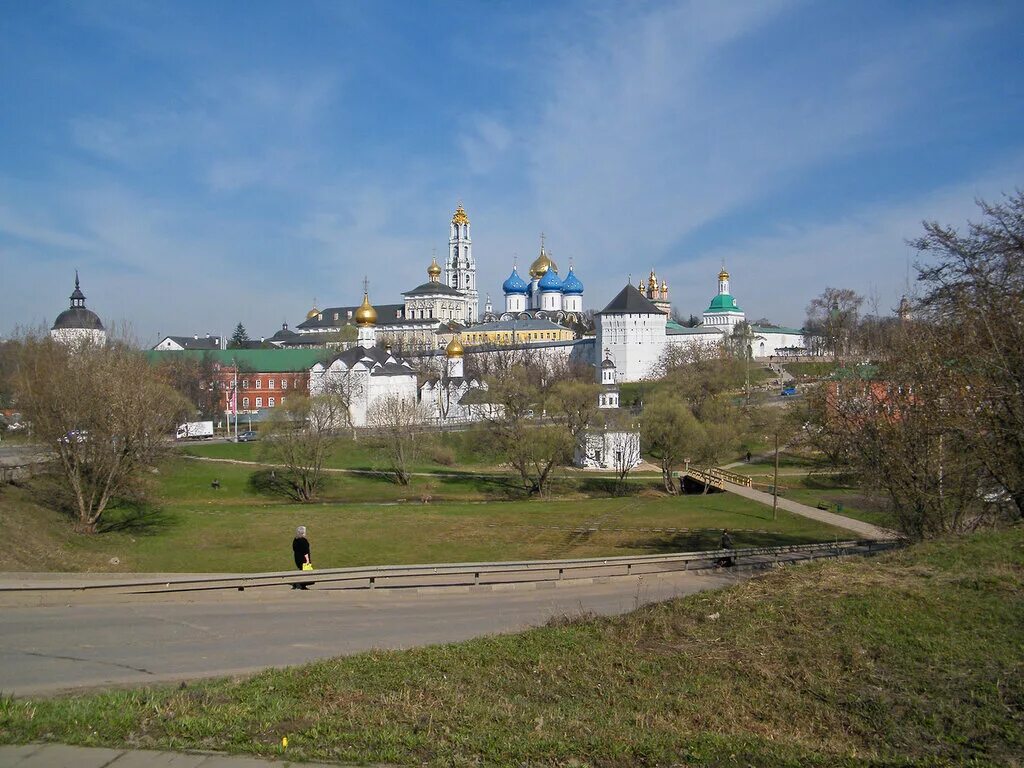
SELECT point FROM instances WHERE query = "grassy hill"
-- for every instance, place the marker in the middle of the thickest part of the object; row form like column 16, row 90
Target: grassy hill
column 913, row 658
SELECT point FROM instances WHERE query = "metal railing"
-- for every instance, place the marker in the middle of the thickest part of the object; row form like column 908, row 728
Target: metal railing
column 718, row 477
column 472, row 574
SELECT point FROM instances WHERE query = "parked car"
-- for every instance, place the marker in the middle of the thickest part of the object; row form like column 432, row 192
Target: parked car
column 248, row 436
column 788, row 391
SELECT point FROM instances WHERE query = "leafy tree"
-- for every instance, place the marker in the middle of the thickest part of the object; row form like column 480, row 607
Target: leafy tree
column 239, row 338
column 669, row 431
column 104, row 411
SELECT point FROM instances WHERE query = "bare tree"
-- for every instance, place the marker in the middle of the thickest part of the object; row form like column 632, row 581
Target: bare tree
column 623, row 440
column 398, row 434
column 103, row 410
column 833, row 316
column 301, row 433
column 531, row 448
column 973, row 305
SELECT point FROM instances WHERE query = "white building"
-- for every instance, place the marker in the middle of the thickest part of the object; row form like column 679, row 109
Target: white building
column 636, row 331
column 365, row 373
column 180, row 343
column 77, row 324
column 615, row 445
column 446, row 397
column 632, row 331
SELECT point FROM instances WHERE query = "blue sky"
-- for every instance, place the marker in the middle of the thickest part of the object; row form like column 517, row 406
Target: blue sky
column 204, row 163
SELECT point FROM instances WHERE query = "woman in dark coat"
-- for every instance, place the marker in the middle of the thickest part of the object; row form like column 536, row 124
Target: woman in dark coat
column 300, row 548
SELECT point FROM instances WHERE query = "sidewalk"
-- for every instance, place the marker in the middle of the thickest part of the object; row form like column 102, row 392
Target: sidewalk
column 867, row 530
column 63, row 756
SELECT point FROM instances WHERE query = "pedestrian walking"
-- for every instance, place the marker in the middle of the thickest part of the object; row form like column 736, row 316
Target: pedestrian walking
column 300, row 549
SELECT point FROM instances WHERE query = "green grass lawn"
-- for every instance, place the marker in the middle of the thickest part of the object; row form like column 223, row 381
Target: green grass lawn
column 913, row 658
column 813, row 370
column 365, row 520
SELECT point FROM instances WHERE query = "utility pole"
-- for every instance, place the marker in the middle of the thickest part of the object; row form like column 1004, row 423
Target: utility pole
column 775, row 480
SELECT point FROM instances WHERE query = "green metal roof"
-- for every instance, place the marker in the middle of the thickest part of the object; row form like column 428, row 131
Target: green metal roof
column 259, row 360
column 723, row 302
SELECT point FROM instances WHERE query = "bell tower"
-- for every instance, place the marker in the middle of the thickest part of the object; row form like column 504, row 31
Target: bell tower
column 460, row 270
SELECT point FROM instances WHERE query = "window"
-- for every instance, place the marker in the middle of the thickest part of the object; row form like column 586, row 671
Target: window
column 282, row 399
column 270, row 402
column 259, row 384
column 270, row 384
column 245, row 383
column 296, row 383
column 245, row 402
column 259, row 402
column 284, row 385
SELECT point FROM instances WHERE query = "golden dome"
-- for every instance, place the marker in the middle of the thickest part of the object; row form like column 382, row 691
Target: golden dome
column 664, row 286
column 312, row 313
column 652, row 282
column 434, row 270
column 460, row 216
column 640, row 286
column 723, row 275
column 366, row 314
column 542, row 264
column 454, row 348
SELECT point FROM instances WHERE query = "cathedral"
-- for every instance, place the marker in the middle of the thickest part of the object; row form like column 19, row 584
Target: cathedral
column 547, row 307
column 545, row 297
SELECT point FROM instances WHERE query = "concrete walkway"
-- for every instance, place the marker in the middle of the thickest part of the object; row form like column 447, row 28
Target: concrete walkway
column 62, row 756
column 866, row 530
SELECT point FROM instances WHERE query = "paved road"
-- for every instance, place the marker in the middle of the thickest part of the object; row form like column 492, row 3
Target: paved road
column 50, row 643
column 62, row 756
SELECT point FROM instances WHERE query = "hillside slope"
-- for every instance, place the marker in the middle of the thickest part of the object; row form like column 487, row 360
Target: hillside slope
column 914, row 658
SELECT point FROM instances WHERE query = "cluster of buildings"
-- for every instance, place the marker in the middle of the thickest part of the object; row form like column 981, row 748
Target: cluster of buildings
column 415, row 349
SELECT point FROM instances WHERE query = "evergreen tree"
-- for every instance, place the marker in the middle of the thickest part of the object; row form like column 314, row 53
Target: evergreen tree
column 239, row 338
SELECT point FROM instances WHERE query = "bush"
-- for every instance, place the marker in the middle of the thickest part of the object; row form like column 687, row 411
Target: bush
column 441, row 454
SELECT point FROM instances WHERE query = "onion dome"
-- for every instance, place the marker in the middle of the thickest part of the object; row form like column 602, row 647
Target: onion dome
column 723, row 275
column 77, row 315
column 664, row 286
column 434, row 270
column 550, row 281
column 454, row 348
column 607, row 362
column 460, row 217
column 312, row 312
column 515, row 284
column 366, row 314
column 542, row 264
column 572, row 284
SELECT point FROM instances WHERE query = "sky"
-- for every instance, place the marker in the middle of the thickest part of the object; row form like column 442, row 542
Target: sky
column 208, row 163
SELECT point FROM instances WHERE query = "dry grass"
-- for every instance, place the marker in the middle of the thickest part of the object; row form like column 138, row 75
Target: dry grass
column 910, row 659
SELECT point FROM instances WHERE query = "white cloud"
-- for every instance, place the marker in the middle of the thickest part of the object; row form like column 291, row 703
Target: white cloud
column 777, row 274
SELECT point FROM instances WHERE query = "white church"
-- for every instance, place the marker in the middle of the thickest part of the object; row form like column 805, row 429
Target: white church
column 365, row 373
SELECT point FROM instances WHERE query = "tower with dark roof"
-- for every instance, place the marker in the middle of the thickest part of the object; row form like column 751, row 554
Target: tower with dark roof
column 78, row 324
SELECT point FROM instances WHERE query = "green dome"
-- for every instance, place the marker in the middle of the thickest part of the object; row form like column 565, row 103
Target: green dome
column 723, row 302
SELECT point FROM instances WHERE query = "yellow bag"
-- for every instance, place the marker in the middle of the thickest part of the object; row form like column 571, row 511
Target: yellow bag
column 307, row 566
